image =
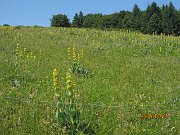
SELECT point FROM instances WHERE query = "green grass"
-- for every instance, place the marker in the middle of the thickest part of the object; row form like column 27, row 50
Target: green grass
column 133, row 74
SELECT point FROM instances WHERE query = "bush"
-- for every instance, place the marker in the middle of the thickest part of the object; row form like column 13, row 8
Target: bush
column 6, row 25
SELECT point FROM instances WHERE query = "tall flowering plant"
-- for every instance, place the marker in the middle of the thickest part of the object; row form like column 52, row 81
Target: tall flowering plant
column 67, row 110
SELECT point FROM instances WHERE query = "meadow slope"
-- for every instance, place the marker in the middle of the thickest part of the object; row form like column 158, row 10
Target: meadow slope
column 131, row 74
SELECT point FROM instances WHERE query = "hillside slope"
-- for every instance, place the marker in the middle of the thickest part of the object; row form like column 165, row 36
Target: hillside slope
column 127, row 75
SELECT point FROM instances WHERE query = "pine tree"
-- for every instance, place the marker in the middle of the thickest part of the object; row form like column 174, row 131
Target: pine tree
column 150, row 11
column 127, row 21
column 154, row 25
column 136, row 15
column 154, row 9
column 174, row 22
column 165, row 20
column 81, row 19
column 143, row 22
column 170, row 22
column 76, row 21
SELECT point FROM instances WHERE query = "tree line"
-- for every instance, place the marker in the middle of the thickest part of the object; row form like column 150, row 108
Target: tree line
column 154, row 19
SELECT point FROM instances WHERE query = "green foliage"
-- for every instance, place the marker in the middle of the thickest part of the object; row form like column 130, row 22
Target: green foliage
column 67, row 111
column 152, row 20
column 127, row 21
column 168, row 17
column 170, row 21
column 76, row 64
column 136, row 15
column 6, row 25
column 167, row 20
column 154, row 25
column 78, row 20
column 153, row 9
column 93, row 21
column 80, row 69
column 110, row 21
column 37, row 26
column 68, row 115
column 18, row 27
column 75, row 22
column 81, row 19
column 60, row 20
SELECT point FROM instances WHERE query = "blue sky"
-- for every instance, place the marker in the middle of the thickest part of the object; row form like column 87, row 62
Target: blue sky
column 38, row 12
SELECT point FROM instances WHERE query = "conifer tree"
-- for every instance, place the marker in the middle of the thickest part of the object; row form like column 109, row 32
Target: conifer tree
column 75, row 22
column 154, row 25
column 136, row 15
column 170, row 22
column 153, row 13
column 78, row 20
column 81, row 19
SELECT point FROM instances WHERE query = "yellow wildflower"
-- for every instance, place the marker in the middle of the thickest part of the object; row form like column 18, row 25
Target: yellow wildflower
column 55, row 78
column 74, row 54
column 40, row 53
column 69, row 83
column 21, row 54
column 69, row 53
column 32, row 55
column 78, row 58
column 82, row 53
column 25, row 50
column 17, row 48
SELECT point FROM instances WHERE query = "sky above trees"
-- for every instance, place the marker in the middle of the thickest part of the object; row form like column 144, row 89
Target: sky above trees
column 38, row 12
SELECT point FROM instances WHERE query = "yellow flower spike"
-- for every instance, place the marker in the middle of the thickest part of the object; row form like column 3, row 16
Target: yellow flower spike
column 55, row 73
column 74, row 54
column 69, row 87
column 25, row 50
column 21, row 54
column 160, row 49
column 55, row 79
column 82, row 53
column 69, row 83
column 74, row 57
column 68, row 76
column 17, row 45
column 78, row 58
column 69, row 54
column 32, row 55
column 17, row 48
column 74, row 49
column 69, row 50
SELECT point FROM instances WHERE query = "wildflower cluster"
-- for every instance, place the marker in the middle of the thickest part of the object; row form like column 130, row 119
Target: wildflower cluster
column 68, row 112
column 23, row 53
column 55, row 79
column 24, row 60
column 75, row 62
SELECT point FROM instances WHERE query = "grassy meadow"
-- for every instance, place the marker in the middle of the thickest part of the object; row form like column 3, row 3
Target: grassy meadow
column 127, row 75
